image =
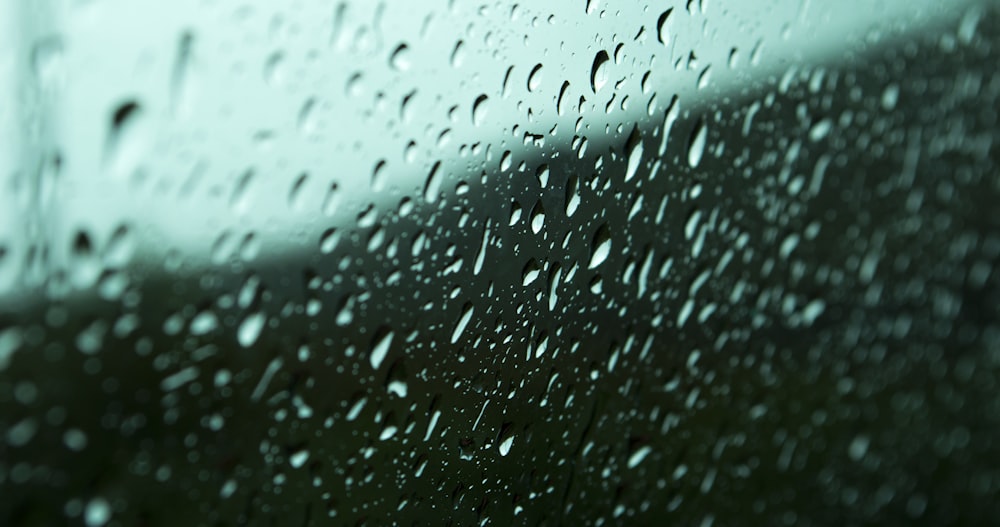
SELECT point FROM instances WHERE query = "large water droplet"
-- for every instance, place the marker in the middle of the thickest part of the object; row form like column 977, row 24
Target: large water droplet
column 599, row 71
column 663, row 27
column 600, row 248
column 380, row 347
column 537, row 217
column 462, row 322
column 633, row 149
column 249, row 330
column 298, row 459
column 433, row 185
column 535, row 78
column 479, row 110
column 696, row 145
column 505, row 445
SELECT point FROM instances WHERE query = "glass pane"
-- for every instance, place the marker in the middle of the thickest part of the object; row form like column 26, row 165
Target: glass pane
column 579, row 262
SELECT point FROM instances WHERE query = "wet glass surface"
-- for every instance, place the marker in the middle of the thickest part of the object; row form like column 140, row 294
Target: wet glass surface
column 581, row 262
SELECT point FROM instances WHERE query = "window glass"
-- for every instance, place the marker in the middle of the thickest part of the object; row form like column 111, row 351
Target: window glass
column 577, row 262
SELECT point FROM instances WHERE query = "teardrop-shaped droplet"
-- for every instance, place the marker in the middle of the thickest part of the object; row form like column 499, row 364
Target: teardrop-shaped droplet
column 599, row 71
column 663, row 27
column 535, row 78
column 696, row 146
column 600, row 248
column 633, row 149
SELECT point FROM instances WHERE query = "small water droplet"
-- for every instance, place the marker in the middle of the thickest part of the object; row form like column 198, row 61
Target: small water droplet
column 299, row 458
column 126, row 141
column 47, row 61
column 400, row 58
column 308, row 120
column 180, row 80
column 458, row 54
column 821, row 129
column 98, row 512
column 640, row 454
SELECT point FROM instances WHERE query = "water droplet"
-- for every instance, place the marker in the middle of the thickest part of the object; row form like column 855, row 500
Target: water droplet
column 458, row 55
column 98, row 512
column 890, row 96
column 126, row 141
column 535, row 78
column 299, row 458
column 537, row 217
column 633, row 149
column 308, row 120
column 433, row 186
column 600, row 248
column 821, row 129
column 555, row 273
column 250, row 328
column 380, row 347
column 328, row 241
column 295, row 195
column 515, row 213
column 572, row 195
column 47, row 62
column 204, row 322
column 506, row 160
column 332, row 200
column 479, row 110
column 599, row 71
column 640, row 454
column 387, row 433
column 274, row 69
column 462, row 322
column 563, row 100
column 505, row 445
column 481, row 255
column 378, row 176
column 663, row 27
column 400, row 58
column 530, row 272
column 180, row 89
column 696, row 145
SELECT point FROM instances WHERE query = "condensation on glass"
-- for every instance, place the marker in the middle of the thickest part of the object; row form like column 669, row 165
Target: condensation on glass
column 547, row 263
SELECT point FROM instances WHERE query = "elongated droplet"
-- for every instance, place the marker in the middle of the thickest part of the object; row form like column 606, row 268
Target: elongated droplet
column 462, row 322
column 380, row 347
column 600, row 248
column 633, row 148
column 696, row 147
column 599, row 71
